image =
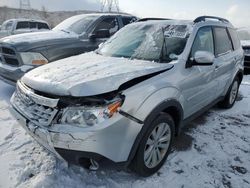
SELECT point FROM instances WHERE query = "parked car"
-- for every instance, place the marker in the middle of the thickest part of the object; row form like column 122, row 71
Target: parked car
column 18, row 26
column 75, row 35
column 244, row 35
column 128, row 100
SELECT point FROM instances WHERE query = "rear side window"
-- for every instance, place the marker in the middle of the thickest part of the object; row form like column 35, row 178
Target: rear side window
column 33, row 25
column 22, row 25
column 235, row 38
column 42, row 25
column 128, row 20
column 223, row 43
column 203, row 41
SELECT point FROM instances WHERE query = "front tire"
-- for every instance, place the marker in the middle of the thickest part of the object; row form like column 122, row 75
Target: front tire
column 154, row 146
column 231, row 96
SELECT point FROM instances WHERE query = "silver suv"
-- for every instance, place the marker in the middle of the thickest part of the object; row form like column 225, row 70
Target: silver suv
column 128, row 100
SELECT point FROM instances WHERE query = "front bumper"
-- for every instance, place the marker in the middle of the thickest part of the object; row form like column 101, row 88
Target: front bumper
column 113, row 140
column 42, row 136
column 11, row 74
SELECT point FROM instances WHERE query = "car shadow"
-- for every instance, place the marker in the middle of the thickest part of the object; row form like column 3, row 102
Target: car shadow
column 184, row 141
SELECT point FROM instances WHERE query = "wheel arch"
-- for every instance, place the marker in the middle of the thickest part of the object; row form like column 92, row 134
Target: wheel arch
column 170, row 106
column 240, row 75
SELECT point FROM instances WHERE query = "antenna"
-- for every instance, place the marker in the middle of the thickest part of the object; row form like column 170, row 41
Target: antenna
column 110, row 4
column 25, row 4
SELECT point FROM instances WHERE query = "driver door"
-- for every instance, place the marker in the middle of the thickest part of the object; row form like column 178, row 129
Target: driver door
column 200, row 84
column 107, row 23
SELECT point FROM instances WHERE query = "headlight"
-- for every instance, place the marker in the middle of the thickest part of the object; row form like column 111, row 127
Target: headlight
column 32, row 58
column 89, row 116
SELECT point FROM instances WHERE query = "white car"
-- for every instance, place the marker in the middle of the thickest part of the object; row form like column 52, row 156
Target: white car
column 18, row 26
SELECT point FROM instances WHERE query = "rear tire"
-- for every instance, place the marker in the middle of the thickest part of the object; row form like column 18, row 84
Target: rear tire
column 231, row 96
column 155, row 146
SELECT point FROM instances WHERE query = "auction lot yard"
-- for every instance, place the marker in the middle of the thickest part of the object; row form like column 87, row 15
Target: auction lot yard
column 213, row 151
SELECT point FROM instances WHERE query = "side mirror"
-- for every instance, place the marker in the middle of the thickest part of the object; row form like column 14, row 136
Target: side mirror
column 102, row 33
column 201, row 58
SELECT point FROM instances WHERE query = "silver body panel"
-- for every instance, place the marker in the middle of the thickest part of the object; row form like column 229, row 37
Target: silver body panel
column 194, row 88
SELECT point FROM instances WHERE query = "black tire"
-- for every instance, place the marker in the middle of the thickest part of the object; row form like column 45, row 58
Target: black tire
column 227, row 103
column 138, row 164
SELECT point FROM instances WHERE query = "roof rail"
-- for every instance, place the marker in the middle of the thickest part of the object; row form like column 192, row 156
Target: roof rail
column 147, row 19
column 203, row 18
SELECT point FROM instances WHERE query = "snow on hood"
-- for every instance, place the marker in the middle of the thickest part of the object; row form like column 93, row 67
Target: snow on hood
column 37, row 36
column 88, row 74
column 245, row 42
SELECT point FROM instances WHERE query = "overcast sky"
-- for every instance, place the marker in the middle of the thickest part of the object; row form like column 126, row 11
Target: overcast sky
column 238, row 11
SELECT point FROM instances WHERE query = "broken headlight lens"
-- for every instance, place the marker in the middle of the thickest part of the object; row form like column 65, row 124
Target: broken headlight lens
column 89, row 116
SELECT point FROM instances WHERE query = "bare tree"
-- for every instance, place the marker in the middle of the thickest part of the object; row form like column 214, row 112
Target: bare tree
column 24, row 5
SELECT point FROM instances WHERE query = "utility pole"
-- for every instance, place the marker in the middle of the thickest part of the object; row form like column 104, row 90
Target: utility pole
column 109, row 5
column 24, row 5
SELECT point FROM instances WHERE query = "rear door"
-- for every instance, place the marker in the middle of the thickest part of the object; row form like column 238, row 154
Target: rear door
column 225, row 58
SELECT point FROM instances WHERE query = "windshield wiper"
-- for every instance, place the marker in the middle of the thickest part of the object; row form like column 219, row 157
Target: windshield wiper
column 65, row 31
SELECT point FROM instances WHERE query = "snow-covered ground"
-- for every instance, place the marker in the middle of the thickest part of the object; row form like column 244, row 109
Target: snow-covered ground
column 213, row 151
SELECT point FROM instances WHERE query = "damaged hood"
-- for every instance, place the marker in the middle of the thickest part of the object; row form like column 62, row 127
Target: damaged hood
column 88, row 74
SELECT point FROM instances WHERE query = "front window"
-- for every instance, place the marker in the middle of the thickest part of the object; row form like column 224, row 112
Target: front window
column 110, row 24
column 76, row 24
column 148, row 42
column 203, row 41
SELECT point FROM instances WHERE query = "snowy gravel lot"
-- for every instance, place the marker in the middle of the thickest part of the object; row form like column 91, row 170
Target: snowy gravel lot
column 213, row 151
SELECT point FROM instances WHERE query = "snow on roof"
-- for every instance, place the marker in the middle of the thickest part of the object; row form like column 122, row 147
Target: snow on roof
column 26, row 19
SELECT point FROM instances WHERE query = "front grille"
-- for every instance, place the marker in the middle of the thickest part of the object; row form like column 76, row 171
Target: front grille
column 34, row 112
column 8, row 51
column 9, row 56
column 11, row 61
column 247, row 61
column 247, row 58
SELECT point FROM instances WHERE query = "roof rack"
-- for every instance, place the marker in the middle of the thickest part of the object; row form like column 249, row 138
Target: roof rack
column 147, row 19
column 203, row 18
